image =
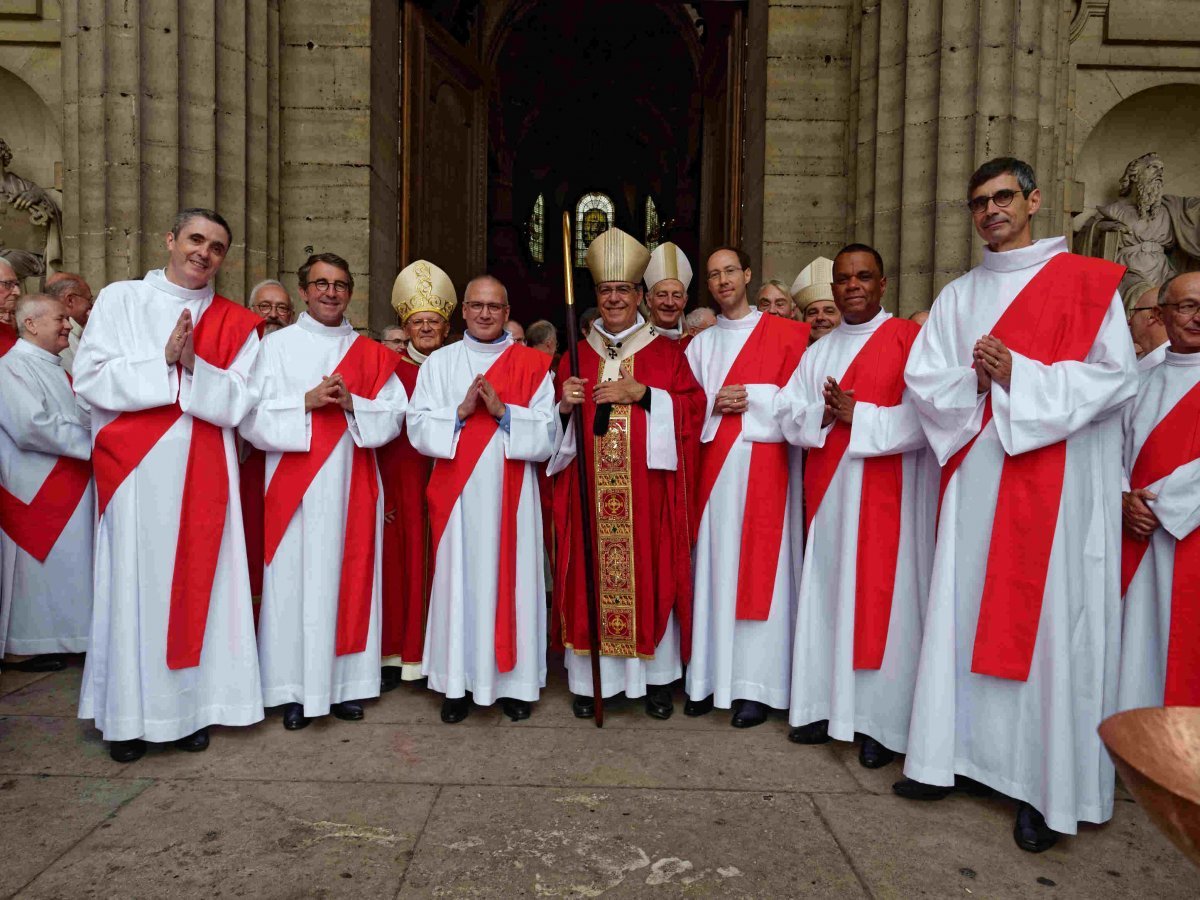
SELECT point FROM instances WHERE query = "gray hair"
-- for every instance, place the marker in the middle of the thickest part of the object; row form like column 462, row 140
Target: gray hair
column 383, row 333
column 697, row 317
column 269, row 282
column 539, row 332
column 28, row 306
column 62, row 283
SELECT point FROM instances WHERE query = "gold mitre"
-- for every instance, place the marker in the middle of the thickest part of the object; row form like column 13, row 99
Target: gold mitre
column 668, row 261
column 815, row 282
column 423, row 287
column 617, row 256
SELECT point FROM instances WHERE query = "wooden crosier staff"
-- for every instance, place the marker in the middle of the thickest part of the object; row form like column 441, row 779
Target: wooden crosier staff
column 589, row 548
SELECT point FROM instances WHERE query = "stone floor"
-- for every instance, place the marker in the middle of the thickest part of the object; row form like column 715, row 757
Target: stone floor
column 403, row 806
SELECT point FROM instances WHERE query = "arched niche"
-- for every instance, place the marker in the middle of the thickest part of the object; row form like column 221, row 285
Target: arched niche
column 30, row 129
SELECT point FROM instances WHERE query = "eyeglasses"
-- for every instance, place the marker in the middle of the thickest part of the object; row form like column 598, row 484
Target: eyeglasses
column 9, row 285
column 1003, row 199
column 339, row 287
column 621, row 290
column 476, row 307
column 1138, row 309
column 728, row 272
column 1184, row 310
column 274, row 307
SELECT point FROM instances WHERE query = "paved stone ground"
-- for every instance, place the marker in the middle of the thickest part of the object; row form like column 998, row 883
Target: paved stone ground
column 403, row 806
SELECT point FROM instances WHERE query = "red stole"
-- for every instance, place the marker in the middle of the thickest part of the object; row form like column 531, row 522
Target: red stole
column 1174, row 442
column 252, row 483
column 365, row 368
column 8, row 337
column 1055, row 318
column 516, row 376
column 123, row 443
column 769, row 356
column 876, row 375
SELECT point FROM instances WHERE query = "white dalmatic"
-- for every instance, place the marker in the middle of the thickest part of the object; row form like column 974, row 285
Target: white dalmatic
column 460, row 634
column 732, row 659
column 825, row 684
column 1148, row 602
column 127, row 686
column 1033, row 740
column 45, row 605
column 298, row 615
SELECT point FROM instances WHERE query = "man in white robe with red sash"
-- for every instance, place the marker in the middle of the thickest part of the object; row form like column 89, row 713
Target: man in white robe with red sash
column 1160, row 564
column 484, row 410
column 164, row 364
column 46, row 497
column 641, row 411
column 1019, row 376
column 748, row 496
column 869, row 542
column 329, row 397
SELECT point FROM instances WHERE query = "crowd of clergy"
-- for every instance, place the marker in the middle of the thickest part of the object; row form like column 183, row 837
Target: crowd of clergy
column 965, row 537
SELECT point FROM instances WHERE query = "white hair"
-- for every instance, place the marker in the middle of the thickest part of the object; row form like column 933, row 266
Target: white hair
column 29, row 306
column 270, row 282
column 698, row 317
column 4, row 262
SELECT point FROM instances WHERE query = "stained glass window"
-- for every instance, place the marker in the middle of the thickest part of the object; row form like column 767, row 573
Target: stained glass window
column 537, row 230
column 593, row 216
column 652, row 238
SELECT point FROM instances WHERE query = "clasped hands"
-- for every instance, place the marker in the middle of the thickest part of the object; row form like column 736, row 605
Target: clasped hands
column 625, row 391
column 481, row 390
column 331, row 390
column 993, row 362
column 839, row 404
column 180, row 348
column 1140, row 520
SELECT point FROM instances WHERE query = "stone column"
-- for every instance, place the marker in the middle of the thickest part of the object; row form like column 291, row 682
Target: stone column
column 167, row 105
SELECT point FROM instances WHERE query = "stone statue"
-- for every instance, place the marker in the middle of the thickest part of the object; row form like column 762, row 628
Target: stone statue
column 1143, row 227
column 30, row 223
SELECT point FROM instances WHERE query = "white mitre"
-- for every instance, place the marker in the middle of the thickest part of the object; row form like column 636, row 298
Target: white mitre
column 815, row 282
column 668, row 261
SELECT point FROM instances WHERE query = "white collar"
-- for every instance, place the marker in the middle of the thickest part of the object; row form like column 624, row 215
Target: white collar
column 867, row 327
column 745, row 323
column 1035, row 254
column 157, row 279
column 491, row 348
column 638, row 322
column 414, row 354
column 27, row 348
column 312, row 326
column 1182, row 359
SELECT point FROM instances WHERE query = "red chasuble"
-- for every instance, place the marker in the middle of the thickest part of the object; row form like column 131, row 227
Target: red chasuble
column 406, row 549
column 123, row 443
column 1055, row 318
column 639, row 516
column 876, row 375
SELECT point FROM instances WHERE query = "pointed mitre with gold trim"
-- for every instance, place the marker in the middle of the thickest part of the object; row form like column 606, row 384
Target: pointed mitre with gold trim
column 617, row 256
column 815, row 282
column 423, row 287
column 668, row 261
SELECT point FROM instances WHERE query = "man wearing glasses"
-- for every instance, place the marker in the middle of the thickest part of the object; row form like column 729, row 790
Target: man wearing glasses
column 1016, row 377
column 10, row 292
column 76, row 296
column 1146, row 325
column 329, row 397
column 271, row 301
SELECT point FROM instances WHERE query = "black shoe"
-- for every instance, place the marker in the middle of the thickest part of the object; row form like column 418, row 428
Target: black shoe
column 812, row 733
column 194, row 743
column 44, row 662
column 349, row 711
column 873, row 755
column 749, row 714
column 454, row 710
column 127, row 751
column 1031, row 832
column 517, row 710
column 583, row 707
column 294, row 718
column 389, row 678
column 659, row 704
column 696, row 708
column 910, row 789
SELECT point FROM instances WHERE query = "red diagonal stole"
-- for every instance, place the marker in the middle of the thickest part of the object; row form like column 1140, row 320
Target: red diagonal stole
column 365, row 368
column 123, row 443
column 876, row 375
column 769, row 356
column 1174, row 442
column 515, row 376
column 1055, row 318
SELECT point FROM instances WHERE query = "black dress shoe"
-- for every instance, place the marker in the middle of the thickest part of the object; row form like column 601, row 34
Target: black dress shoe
column 695, row 708
column 350, row 711
column 659, row 704
column 194, row 743
column 749, row 714
column 1031, row 832
column 911, row 789
column 812, row 733
column 44, row 662
column 294, row 718
column 455, row 710
column 873, row 755
column 583, row 707
column 517, row 710
column 389, row 678
column 127, row 751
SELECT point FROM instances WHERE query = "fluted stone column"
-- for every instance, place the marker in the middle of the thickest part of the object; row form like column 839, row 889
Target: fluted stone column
column 166, row 105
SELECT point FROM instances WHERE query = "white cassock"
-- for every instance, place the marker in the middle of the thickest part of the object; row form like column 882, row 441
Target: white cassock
column 1033, row 740
column 825, row 684
column 732, row 659
column 1147, row 607
column 1154, row 358
column 127, row 686
column 45, row 606
column 298, row 616
column 460, row 634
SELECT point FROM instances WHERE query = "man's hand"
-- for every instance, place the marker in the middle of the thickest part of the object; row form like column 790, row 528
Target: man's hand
column 995, row 359
column 324, row 393
column 624, row 391
column 839, row 404
column 343, row 398
column 466, row 409
column 389, row 515
column 1140, row 520
column 731, row 400
column 572, row 394
column 491, row 400
column 179, row 339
